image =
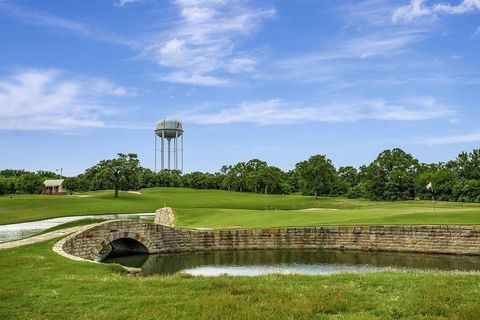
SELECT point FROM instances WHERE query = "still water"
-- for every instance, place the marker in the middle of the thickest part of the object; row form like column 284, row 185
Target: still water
column 15, row 231
column 312, row 262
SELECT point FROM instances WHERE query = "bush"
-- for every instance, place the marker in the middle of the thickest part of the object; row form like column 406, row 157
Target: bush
column 358, row 191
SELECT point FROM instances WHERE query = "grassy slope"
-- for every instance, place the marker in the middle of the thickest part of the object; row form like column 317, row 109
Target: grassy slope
column 208, row 208
column 42, row 285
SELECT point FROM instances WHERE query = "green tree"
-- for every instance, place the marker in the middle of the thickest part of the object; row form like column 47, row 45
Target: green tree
column 292, row 181
column 252, row 173
column 348, row 174
column 169, row 178
column 197, row 180
column 271, row 178
column 467, row 165
column 444, row 182
column 3, row 186
column 29, row 183
column 71, row 184
column 122, row 173
column 391, row 176
column 148, row 178
column 358, row 191
column 317, row 175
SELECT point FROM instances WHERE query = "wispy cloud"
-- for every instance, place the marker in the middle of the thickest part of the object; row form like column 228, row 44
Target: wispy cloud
column 276, row 111
column 359, row 58
column 203, row 45
column 360, row 48
column 38, row 18
column 418, row 8
column 453, row 139
column 477, row 33
column 50, row 100
column 367, row 12
column 122, row 3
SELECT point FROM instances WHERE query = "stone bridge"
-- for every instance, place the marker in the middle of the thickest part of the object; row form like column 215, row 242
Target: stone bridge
column 127, row 236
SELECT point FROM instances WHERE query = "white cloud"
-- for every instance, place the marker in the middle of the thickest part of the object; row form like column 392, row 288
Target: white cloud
column 49, row 100
column 371, row 45
column 276, row 111
column 204, row 42
column 242, row 64
column 454, row 139
column 195, row 79
column 101, row 87
column 122, row 3
column 358, row 58
column 418, row 8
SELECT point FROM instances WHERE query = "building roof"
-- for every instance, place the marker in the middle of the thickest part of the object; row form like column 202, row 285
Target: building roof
column 53, row 183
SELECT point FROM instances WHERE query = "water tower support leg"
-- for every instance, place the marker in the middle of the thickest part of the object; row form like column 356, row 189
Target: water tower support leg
column 181, row 152
column 168, row 155
column 155, row 166
column 163, row 150
column 175, row 151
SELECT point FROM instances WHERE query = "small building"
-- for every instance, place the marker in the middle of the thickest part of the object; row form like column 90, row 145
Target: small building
column 54, row 187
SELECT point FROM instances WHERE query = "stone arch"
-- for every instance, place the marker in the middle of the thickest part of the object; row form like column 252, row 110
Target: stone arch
column 140, row 238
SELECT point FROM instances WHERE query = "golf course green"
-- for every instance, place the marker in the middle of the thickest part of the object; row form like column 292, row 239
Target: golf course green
column 223, row 209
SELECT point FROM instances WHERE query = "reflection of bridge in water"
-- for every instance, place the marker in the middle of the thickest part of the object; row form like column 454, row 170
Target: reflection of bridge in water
column 304, row 261
column 131, row 236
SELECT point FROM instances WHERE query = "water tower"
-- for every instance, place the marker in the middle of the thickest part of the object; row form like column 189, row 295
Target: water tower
column 171, row 131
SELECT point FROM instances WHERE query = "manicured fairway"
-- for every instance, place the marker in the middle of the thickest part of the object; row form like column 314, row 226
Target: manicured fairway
column 220, row 209
column 36, row 283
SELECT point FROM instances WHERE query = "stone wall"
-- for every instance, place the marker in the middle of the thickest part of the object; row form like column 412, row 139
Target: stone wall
column 157, row 238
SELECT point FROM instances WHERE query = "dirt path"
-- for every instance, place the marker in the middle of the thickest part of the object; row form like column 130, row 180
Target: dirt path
column 41, row 237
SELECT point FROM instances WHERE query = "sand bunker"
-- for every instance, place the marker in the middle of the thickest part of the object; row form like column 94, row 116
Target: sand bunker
column 134, row 192
column 318, row 209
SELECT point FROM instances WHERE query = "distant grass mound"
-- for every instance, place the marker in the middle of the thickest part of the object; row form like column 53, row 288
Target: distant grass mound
column 222, row 209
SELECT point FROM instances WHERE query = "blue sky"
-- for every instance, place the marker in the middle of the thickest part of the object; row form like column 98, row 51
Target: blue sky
column 275, row 80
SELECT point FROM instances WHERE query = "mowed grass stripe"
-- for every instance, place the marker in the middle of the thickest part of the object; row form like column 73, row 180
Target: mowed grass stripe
column 222, row 209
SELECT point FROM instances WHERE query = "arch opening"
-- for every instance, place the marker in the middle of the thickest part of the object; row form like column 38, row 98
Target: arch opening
column 123, row 247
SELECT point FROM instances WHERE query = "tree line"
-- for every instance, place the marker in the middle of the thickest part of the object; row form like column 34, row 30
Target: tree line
column 393, row 175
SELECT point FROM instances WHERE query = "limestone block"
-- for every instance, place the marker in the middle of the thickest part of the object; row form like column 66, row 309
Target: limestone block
column 165, row 217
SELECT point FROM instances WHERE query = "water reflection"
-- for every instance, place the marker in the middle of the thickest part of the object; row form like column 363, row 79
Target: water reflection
column 256, row 262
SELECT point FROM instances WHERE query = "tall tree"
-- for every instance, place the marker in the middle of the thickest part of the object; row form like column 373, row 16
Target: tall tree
column 121, row 173
column 467, row 165
column 391, row 176
column 271, row 178
column 317, row 175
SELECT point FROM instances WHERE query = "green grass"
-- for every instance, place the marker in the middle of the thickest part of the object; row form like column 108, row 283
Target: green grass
column 36, row 283
column 221, row 209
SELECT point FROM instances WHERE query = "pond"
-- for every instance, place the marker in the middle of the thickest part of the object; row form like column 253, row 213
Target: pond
column 15, row 231
column 310, row 262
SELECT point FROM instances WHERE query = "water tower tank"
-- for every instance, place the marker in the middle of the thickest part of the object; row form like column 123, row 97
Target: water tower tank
column 169, row 128
column 170, row 132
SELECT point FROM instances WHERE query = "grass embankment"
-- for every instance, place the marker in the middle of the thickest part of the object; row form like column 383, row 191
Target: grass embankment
column 221, row 209
column 39, row 284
